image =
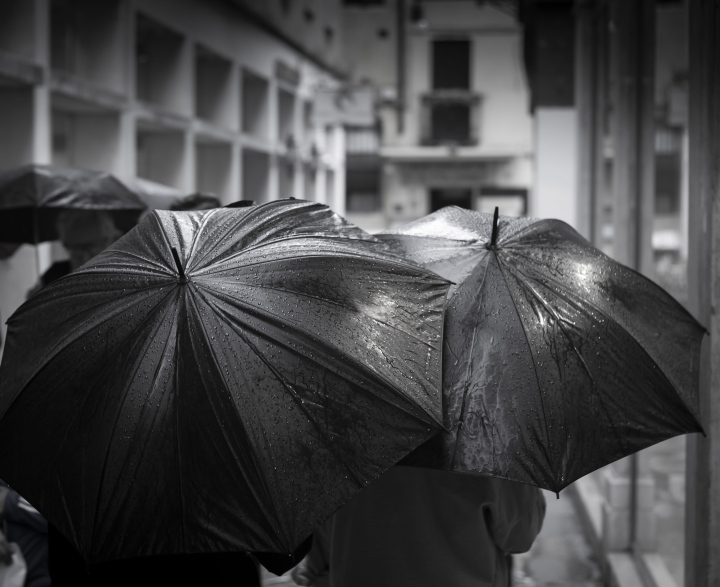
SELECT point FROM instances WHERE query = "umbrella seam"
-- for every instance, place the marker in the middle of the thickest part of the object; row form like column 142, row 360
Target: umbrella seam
column 467, row 381
column 289, row 388
column 52, row 354
column 374, row 377
column 332, row 303
column 532, row 357
column 268, row 493
column 122, row 401
column 567, row 296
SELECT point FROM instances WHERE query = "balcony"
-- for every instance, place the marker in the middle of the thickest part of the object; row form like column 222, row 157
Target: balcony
column 450, row 117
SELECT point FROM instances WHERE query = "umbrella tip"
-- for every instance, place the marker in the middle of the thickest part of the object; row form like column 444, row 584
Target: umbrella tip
column 493, row 238
column 179, row 266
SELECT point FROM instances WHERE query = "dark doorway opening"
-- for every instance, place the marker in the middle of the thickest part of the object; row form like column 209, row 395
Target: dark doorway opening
column 442, row 197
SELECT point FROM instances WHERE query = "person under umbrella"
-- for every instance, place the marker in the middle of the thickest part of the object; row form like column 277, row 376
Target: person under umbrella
column 425, row 527
column 32, row 197
column 84, row 234
column 219, row 381
column 556, row 361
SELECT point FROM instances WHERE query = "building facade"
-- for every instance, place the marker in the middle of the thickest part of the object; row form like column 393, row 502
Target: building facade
column 198, row 96
column 453, row 124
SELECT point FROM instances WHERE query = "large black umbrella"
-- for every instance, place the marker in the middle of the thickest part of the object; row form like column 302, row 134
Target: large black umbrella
column 218, row 381
column 31, row 196
column 557, row 360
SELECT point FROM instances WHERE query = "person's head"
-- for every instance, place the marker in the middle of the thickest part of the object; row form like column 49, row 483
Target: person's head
column 197, row 201
column 85, row 234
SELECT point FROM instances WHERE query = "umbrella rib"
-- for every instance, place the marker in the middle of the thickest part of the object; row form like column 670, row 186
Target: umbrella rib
column 122, row 400
column 178, row 460
column 559, row 323
column 379, row 379
column 368, row 256
column 53, row 354
column 468, row 368
column 537, row 378
column 332, row 303
column 288, row 387
column 222, row 428
column 569, row 298
column 163, row 269
column 77, row 413
column 67, row 510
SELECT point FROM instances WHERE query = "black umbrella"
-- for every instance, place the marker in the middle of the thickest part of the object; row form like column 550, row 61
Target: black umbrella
column 31, row 196
column 219, row 380
column 557, row 360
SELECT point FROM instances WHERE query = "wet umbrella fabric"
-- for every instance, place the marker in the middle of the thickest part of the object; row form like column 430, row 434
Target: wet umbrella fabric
column 31, row 196
column 231, row 405
column 557, row 360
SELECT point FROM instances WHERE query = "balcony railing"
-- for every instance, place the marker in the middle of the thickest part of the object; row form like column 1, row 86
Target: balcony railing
column 450, row 117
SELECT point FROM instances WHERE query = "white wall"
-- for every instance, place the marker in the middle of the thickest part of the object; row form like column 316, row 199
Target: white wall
column 555, row 165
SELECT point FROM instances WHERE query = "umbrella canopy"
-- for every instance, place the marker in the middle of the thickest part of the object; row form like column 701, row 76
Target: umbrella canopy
column 557, row 360
column 31, row 196
column 219, row 380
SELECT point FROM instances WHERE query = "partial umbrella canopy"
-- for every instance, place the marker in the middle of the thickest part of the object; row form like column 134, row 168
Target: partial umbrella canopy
column 32, row 196
column 557, row 360
column 219, row 380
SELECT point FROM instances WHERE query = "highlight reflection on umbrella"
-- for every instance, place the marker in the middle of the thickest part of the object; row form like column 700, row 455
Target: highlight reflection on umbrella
column 219, row 381
column 557, row 360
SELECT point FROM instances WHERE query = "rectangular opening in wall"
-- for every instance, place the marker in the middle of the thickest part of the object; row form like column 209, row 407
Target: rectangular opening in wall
column 212, row 169
column 442, row 197
column 451, row 64
column 362, row 184
column 286, row 178
column 212, row 87
column 84, row 135
column 160, row 155
column 159, row 71
column 255, row 175
column 86, row 41
column 286, row 117
column 330, row 189
column 309, row 175
column 17, row 28
column 255, row 106
column 17, row 123
column 308, row 137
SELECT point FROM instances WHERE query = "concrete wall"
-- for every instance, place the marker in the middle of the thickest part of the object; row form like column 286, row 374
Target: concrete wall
column 178, row 134
column 555, row 165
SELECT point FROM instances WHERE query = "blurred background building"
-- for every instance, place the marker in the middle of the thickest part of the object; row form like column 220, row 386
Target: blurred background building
column 172, row 96
column 452, row 124
column 388, row 110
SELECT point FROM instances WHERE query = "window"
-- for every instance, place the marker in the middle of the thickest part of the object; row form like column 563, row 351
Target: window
column 451, row 64
column 449, row 110
column 442, row 197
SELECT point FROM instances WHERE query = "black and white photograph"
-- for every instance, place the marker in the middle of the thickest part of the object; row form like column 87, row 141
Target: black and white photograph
column 359, row 293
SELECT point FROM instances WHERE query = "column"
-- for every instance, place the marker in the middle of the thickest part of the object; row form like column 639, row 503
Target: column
column 632, row 62
column 702, row 520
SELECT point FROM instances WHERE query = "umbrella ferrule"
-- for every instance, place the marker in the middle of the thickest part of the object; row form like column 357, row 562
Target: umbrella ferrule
column 492, row 245
column 183, row 278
